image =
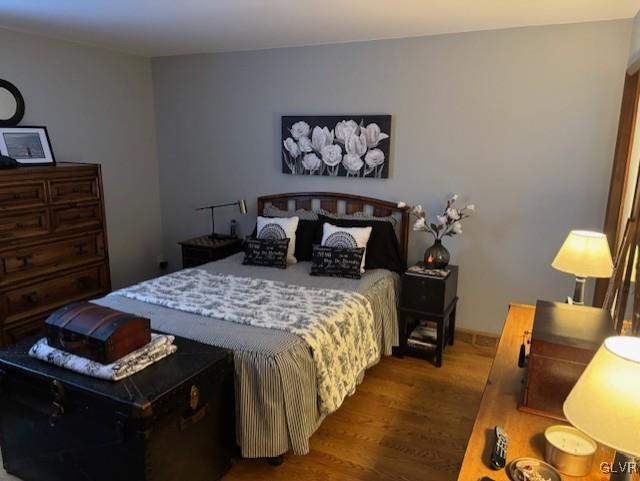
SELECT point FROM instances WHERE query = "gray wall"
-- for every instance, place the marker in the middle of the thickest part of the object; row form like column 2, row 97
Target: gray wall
column 98, row 107
column 520, row 121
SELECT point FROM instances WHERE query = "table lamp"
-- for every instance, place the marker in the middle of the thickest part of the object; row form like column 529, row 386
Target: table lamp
column 242, row 205
column 605, row 402
column 584, row 254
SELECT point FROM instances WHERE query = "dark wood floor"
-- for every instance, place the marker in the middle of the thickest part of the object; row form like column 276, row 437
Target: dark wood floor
column 407, row 421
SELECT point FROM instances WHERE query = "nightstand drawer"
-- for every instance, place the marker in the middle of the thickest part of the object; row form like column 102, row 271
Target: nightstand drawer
column 202, row 249
column 197, row 253
column 421, row 295
column 428, row 294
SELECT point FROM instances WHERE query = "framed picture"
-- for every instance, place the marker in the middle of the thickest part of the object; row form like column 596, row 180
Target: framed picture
column 27, row 145
column 336, row 145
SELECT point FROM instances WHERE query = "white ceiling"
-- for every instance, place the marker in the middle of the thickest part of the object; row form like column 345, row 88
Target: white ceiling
column 170, row 27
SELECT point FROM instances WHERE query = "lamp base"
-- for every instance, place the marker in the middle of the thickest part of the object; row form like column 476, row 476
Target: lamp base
column 624, row 467
column 578, row 291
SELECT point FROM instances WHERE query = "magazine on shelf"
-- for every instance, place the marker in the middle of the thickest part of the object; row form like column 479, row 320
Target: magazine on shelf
column 423, row 335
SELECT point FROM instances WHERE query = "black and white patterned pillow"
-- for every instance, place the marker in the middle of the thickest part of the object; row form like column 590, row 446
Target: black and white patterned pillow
column 336, row 261
column 266, row 252
column 347, row 237
column 268, row 228
column 273, row 232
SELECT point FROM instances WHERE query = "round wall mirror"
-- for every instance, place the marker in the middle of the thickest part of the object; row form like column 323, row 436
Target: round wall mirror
column 11, row 104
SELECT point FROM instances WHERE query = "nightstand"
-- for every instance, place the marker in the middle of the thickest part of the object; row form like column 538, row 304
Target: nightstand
column 429, row 304
column 203, row 249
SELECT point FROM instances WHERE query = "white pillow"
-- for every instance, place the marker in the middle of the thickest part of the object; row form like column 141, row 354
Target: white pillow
column 352, row 237
column 270, row 228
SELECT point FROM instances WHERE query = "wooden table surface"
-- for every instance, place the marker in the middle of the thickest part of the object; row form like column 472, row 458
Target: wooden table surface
column 499, row 405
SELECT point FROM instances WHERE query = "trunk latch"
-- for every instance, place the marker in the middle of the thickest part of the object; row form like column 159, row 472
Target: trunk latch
column 194, row 398
column 57, row 409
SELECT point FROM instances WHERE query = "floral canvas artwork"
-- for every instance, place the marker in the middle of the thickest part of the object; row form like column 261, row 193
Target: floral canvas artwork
column 337, row 146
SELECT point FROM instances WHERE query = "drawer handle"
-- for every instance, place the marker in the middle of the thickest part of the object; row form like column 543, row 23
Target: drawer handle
column 80, row 248
column 84, row 282
column 24, row 260
column 30, row 298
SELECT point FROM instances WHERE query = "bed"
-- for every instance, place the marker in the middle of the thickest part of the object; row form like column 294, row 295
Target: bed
column 276, row 385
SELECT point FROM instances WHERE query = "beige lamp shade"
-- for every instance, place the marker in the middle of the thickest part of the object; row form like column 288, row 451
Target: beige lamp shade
column 584, row 254
column 605, row 402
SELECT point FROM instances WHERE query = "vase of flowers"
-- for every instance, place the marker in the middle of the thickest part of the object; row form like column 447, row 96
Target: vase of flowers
column 448, row 224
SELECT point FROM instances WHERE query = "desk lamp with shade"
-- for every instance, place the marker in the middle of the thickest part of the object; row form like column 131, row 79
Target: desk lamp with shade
column 242, row 205
column 605, row 402
column 584, row 254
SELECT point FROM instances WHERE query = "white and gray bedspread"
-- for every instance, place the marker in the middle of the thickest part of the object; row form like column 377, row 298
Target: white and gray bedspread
column 277, row 391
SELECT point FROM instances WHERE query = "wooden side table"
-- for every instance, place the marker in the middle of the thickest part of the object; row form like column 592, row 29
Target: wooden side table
column 499, row 407
column 203, row 249
column 426, row 298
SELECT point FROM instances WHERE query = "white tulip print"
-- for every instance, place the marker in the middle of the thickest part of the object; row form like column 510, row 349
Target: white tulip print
column 334, row 146
column 320, row 138
column 311, row 162
column 353, row 163
column 373, row 135
column 299, row 129
column 305, row 144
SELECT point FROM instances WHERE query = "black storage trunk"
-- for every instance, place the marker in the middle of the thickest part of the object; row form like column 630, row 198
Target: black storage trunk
column 172, row 421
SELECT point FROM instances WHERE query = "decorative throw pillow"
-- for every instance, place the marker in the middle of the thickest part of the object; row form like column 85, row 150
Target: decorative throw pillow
column 346, row 237
column 266, row 252
column 336, row 261
column 270, row 228
column 383, row 248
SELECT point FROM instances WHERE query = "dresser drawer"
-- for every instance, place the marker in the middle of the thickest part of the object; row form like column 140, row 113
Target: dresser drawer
column 27, row 262
column 16, row 332
column 55, row 292
column 84, row 217
column 74, row 190
column 23, row 225
column 20, row 196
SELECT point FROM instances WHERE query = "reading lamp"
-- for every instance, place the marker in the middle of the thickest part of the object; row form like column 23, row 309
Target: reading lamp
column 584, row 254
column 605, row 402
column 242, row 205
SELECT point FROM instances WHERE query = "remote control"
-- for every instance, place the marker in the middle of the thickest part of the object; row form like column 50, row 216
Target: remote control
column 499, row 453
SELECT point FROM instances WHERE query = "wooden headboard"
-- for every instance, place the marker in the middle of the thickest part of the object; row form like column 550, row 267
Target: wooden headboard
column 329, row 201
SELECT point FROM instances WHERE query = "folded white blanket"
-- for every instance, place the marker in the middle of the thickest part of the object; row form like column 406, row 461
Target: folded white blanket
column 160, row 347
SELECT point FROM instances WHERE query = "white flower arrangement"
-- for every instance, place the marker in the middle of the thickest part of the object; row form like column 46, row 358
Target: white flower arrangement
column 314, row 151
column 449, row 223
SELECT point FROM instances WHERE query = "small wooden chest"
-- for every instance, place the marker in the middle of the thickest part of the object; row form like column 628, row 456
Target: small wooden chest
column 172, row 421
column 97, row 332
column 563, row 341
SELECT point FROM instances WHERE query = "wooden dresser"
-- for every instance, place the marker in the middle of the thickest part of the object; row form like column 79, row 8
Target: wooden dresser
column 499, row 405
column 53, row 243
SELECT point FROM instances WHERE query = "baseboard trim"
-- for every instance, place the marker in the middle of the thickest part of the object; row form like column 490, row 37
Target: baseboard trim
column 477, row 338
